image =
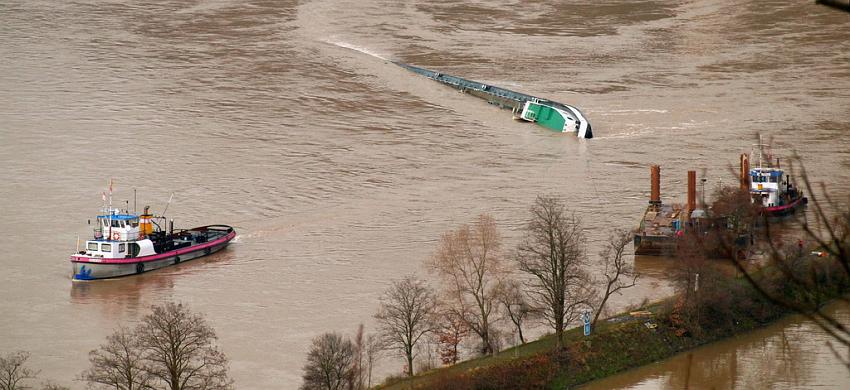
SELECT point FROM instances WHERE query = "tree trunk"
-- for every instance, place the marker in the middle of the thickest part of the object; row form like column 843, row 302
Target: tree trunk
column 559, row 330
column 599, row 309
column 485, row 341
column 410, row 363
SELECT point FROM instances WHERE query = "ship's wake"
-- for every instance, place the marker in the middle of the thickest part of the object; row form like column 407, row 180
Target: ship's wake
column 354, row 47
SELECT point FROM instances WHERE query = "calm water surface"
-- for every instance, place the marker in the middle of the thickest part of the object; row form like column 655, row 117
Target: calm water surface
column 340, row 170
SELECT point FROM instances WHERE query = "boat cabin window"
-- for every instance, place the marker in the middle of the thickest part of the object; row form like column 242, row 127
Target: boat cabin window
column 106, row 247
column 134, row 222
column 116, row 223
column 121, row 248
column 92, row 246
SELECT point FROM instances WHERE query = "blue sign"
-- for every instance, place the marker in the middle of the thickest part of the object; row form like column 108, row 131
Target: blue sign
column 586, row 318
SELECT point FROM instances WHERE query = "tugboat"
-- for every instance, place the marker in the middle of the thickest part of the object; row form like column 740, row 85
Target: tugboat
column 127, row 244
column 771, row 190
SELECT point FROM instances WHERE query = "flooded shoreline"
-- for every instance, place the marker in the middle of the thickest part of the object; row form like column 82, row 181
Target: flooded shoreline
column 789, row 353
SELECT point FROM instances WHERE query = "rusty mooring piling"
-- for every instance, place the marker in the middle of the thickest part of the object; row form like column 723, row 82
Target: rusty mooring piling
column 655, row 194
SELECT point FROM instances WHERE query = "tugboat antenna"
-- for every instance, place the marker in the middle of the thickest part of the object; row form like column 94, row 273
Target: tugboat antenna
column 110, row 208
column 168, row 204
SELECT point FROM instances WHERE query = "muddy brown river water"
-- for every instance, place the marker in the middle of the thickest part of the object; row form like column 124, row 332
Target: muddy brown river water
column 340, row 170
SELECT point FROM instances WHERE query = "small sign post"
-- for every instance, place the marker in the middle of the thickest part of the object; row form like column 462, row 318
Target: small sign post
column 585, row 316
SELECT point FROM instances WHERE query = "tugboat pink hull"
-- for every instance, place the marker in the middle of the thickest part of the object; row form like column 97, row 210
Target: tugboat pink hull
column 194, row 243
column 784, row 210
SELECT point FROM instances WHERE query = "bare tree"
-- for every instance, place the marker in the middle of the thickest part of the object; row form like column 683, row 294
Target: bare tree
column 373, row 351
column 450, row 331
column 470, row 266
column 618, row 273
column 359, row 352
column 707, row 297
column 13, row 371
column 427, row 351
column 405, row 316
column 735, row 219
column 553, row 253
column 330, row 363
column 179, row 349
column 118, row 364
column 54, row 386
column 516, row 307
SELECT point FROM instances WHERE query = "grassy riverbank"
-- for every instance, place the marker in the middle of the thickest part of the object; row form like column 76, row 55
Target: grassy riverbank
column 727, row 307
column 613, row 347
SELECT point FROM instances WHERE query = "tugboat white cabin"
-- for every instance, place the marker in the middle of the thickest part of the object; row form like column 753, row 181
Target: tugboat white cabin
column 770, row 188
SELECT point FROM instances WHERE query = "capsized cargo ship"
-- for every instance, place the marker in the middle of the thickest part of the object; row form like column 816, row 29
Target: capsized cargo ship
column 547, row 113
column 126, row 243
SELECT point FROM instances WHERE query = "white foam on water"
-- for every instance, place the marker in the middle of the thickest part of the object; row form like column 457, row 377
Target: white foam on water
column 354, row 47
column 627, row 111
column 627, row 134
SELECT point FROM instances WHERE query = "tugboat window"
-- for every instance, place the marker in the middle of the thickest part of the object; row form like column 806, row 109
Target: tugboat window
column 92, row 246
column 106, row 247
column 134, row 222
column 116, row 223
column 120, row 248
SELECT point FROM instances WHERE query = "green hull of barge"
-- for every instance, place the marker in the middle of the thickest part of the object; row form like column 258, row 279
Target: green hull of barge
column 545, row 116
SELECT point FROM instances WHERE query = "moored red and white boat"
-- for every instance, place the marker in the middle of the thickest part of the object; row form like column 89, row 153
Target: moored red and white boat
column 772, row 190
column 126, row 244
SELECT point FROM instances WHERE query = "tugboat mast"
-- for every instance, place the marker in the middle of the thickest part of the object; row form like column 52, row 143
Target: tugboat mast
column 109, row 210
column 760, row 147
